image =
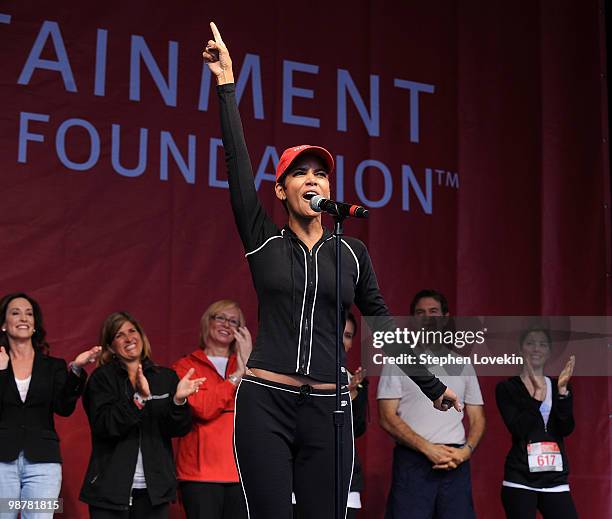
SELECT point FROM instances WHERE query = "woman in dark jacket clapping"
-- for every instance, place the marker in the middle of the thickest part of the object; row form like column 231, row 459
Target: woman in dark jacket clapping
column 33, row 388
column 537, row 410
column 134, row 408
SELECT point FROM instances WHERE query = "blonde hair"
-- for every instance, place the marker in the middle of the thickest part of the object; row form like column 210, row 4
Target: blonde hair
column 110, row 327
column 211, row 311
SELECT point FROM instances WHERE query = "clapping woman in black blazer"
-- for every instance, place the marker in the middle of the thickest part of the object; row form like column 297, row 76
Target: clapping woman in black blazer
column 33, row 387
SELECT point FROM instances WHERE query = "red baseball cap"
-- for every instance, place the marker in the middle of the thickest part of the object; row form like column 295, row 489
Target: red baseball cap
column 290, row 154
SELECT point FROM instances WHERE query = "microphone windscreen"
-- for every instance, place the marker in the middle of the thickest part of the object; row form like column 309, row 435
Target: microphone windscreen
column 314, row 203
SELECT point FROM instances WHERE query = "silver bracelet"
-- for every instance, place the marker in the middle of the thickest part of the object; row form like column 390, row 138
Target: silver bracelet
column 75, row 369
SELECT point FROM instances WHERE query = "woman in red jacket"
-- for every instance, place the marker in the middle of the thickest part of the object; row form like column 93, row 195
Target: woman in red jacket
column 209, row 481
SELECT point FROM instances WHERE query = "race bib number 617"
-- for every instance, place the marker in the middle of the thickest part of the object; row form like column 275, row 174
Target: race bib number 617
column 544, row 457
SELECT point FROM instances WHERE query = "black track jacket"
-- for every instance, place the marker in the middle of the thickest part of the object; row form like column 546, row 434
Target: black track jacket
column 118, row 428
column 296, row 287
column 521, row 414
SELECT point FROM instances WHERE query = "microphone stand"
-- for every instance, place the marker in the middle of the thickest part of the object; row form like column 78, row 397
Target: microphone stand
column 338, row 413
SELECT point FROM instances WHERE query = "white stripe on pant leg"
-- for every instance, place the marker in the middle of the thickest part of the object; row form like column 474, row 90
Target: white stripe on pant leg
column 353, row 462
column 236, row 452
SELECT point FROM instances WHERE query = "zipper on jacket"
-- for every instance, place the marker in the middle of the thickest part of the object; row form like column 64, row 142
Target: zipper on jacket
column 307, row 324
column 143, row 469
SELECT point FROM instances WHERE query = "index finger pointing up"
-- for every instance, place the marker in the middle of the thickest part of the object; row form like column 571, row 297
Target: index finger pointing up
column 216, row 32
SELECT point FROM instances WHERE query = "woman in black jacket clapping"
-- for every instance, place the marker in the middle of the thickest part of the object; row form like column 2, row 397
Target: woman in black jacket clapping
column 134, row 408
column 33, row 388
column 537, row 411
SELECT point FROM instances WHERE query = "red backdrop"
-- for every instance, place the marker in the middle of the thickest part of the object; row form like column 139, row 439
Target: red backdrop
column 476, row 132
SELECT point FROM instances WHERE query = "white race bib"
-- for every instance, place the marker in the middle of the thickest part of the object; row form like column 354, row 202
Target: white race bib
column 544, row 457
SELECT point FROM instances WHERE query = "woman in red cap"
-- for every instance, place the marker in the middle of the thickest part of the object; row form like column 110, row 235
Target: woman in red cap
column 283, row 432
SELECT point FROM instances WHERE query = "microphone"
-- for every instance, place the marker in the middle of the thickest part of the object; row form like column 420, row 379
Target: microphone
column 318, row 204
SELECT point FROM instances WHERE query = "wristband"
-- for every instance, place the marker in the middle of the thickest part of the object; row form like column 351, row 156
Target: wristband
column 75, row 369
column 470, row 447
column 140, row 401
column 234, row 379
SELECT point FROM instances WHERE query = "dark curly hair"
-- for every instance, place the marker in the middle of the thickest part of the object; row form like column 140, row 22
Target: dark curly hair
column 38, row 338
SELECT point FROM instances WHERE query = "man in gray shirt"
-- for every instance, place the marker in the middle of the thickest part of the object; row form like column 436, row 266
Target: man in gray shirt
column 431, row 472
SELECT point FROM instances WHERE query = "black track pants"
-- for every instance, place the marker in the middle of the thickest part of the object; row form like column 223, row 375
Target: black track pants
column 141, row 508
column 284, row 441
column 212, row 500
column 520, row 503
